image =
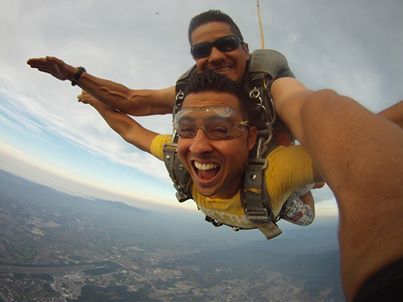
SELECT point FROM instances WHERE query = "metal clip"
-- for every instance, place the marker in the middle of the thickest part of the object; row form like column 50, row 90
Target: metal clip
column 180, row 96
column 263, row 145
column 181, row 197
column 255, row 94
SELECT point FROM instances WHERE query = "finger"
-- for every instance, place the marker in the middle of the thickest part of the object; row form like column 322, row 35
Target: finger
column 35, row 60
column 38, row 63
column 84, row 99
column 43, row 69
column 42, row 66
column 54, row 60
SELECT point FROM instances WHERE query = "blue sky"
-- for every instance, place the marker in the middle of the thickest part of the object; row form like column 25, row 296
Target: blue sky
column 46, row 136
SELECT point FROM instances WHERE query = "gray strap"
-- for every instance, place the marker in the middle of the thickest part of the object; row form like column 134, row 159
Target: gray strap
column 177, row 172
column 269, row 229
column 255, row 199
column 252, row 191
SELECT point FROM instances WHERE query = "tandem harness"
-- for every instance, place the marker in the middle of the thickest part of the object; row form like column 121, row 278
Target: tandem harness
column 265, row 65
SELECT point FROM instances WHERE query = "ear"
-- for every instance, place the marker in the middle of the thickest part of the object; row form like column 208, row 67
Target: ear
column 245, row 48
column 252, row 136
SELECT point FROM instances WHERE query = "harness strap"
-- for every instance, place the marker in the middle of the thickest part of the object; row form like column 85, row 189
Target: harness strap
column 269, row 229
column 180, row 86
column 184, row 78
column 265, row 66
column 256, row 200
column 177, row 172
column 218, row 224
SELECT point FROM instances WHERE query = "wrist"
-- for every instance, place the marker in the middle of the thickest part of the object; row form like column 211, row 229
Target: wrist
column 77, row 75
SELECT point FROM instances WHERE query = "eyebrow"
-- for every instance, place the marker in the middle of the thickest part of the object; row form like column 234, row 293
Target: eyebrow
column 187, row 119
column 216, row 118
column 212, row 118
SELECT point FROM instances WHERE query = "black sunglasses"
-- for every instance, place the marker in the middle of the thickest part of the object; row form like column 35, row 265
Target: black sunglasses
column 224, row 44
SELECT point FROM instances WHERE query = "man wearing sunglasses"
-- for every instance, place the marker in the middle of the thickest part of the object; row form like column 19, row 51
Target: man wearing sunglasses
column 216, row 44
column 357, row 153
column 227, row 55
column 216, row 132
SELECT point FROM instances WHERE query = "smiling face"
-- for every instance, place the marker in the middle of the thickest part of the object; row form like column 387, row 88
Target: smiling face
column 216, row 166
column 231, row 64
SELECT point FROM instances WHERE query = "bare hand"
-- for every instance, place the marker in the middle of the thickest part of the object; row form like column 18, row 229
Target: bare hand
column 86, row 98
column 54, row 67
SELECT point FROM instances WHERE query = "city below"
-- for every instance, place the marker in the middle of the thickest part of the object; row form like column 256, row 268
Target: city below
column 59, row 247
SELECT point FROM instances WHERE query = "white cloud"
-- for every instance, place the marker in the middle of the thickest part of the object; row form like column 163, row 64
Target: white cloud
column 77, row 123
column 325, row 202
column 20, row 163
column 326, row 208
column 353, row 46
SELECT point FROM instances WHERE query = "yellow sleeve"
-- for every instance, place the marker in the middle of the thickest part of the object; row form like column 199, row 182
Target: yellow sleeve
column 158, row 143
column 289, row 168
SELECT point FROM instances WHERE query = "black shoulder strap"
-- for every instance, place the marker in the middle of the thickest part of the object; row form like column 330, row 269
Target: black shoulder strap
column 183, row 80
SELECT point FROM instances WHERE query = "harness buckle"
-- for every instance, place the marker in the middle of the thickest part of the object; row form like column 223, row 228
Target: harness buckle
column 213, row 221
column 258, row 216
column 181, row 196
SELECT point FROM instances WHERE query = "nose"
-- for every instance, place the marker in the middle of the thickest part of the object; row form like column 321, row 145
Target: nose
column 200, row 143
column 216, row 56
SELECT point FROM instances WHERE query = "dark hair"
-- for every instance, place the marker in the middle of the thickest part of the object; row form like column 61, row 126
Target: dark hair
column 213, row 16
column 212, row 81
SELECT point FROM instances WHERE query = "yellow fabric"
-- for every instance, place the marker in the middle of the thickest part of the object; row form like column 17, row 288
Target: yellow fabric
column 158, row 143
column 288, row 169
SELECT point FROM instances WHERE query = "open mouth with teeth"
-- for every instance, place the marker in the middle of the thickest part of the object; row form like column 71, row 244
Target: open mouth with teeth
column 205, row 171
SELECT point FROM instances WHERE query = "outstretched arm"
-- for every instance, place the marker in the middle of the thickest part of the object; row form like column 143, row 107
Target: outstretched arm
column 359, row 155
column 135, row 102
column 126, row 127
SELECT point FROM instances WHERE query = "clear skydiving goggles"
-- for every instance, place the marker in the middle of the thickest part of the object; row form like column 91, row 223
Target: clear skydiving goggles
column 217, row 122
